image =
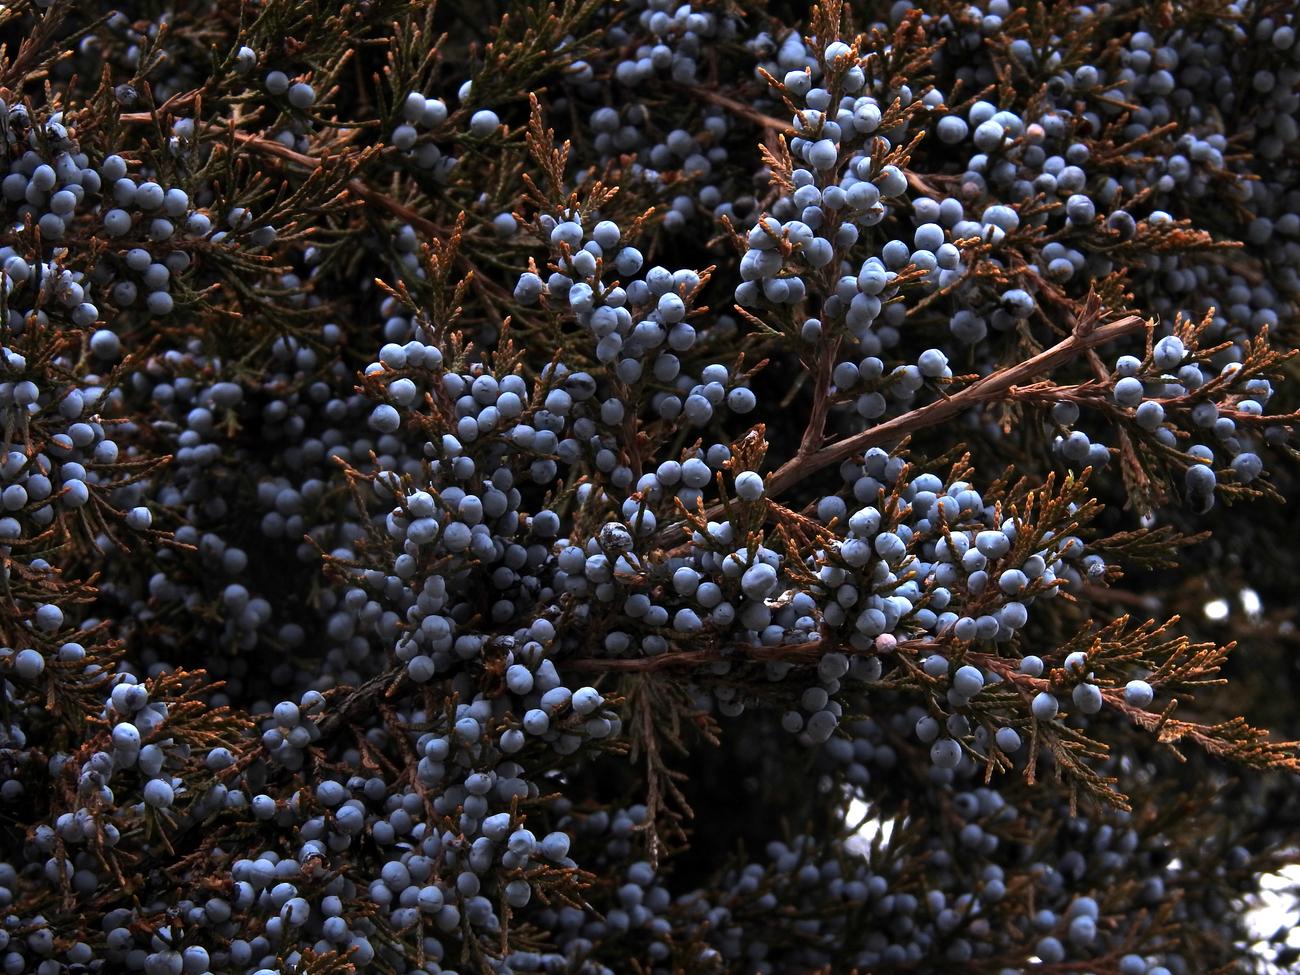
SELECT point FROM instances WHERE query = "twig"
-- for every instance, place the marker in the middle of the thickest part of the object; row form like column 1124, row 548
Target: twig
column 740, row 108
column 992, row 387
column 356, row 187
column 816, row 429
column 364, row 697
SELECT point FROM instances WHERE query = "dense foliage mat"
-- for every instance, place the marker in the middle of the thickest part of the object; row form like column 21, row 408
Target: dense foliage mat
column 626, row 487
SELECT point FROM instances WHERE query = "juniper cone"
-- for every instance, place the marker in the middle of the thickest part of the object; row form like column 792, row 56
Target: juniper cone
column 640, row 487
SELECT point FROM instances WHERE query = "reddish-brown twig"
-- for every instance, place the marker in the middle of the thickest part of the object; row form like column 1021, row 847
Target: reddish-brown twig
column 356, row 187
column 998, row 385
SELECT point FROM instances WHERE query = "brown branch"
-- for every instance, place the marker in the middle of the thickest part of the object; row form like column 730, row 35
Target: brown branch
column 1108, row 594
column 364, row 697
column 806, row 652
column 356, row 187
column 740, row 108
column 992, row 387
column 816, row 429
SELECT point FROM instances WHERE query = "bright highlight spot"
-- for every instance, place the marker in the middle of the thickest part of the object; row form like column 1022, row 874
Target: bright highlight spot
column 868, row 827
column 1276, row 909
column 1251, row 602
